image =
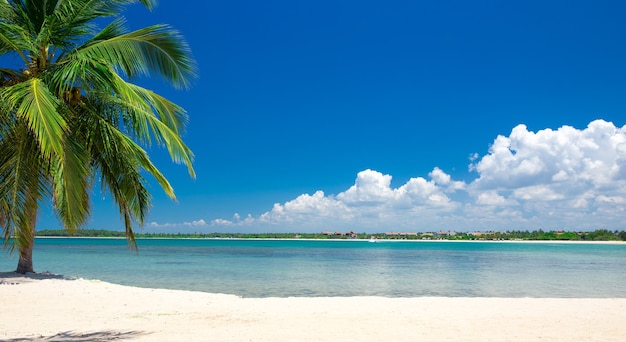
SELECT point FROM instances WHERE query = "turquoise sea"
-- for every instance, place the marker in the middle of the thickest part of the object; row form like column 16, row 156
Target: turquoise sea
column 283, row 268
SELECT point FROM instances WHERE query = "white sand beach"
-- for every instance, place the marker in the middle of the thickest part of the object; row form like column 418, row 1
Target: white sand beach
column 35, row 309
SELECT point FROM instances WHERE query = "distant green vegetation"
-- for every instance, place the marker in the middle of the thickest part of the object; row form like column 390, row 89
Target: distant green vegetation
column 596, row 235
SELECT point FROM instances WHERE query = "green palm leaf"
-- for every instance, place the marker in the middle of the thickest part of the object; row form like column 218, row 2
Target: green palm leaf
column 157, row 49
column 33, row 103
column 23, row 182
column 71, row 197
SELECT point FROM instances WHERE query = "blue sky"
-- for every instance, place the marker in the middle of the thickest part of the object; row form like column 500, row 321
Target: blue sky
column 395, row 116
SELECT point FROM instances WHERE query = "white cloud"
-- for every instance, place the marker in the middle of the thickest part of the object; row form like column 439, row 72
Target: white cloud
column 222, row 222
column 444, row 180
column 563, row 178
column 595, row 155
column 196, row 223
column 178, row 226
column 370, row 201
column 373, row 189
column 236, row 221
column 370, row 188
column 492, row 198
column 307, row 211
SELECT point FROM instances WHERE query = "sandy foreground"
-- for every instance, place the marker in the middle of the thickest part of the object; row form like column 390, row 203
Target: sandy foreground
column 35, row 309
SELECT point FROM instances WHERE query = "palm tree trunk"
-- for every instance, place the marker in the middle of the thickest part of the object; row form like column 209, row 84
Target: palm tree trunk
column 25, row 262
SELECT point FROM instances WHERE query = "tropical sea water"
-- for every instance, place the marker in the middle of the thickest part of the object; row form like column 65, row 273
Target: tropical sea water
column 284, row 268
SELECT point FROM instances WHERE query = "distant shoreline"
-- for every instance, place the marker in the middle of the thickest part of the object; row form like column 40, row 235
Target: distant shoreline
column 604, row 242
column 535, row 235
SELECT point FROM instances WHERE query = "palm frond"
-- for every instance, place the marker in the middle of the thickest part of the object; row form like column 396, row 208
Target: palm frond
column 7, row 12
column 140, row 106
column 112, row 143
column 147, row 114
column 169, row 113
column 158, row 49
column 114, row 29
column 73, row 20
column 128, row 225
column 114, row 156
column 37, row 11
column 23, row 182
column 71, row 175
column 32, row 102
column 76, row 72
column 14, row 39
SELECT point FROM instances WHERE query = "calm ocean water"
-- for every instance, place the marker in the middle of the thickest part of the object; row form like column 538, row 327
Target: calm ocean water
column 283, row 268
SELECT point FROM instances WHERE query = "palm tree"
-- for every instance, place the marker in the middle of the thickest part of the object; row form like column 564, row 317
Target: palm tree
column 70, row 116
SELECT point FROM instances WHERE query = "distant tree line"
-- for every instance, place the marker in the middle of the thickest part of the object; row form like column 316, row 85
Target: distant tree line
column 596, row 235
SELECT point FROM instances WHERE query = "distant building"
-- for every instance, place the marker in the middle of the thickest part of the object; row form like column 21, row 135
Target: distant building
column 401, row 234
column 352, row 234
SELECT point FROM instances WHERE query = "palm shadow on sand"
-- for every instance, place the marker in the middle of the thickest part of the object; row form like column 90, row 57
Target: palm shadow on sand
column 14, row 278
column 76, row 336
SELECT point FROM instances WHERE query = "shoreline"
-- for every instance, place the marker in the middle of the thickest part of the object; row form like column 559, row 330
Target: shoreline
column 90, row 309
column 600, row 242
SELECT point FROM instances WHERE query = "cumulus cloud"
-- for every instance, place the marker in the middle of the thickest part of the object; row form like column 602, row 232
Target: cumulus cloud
column 551, row 179
column 373, row 189
column 307, row 207
column 594, row 156
column 235, row 221
column 558, row 176
column 493, row 198
column 196, row 223
column 370, row 188
column 367, row 203
column 445, row 181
